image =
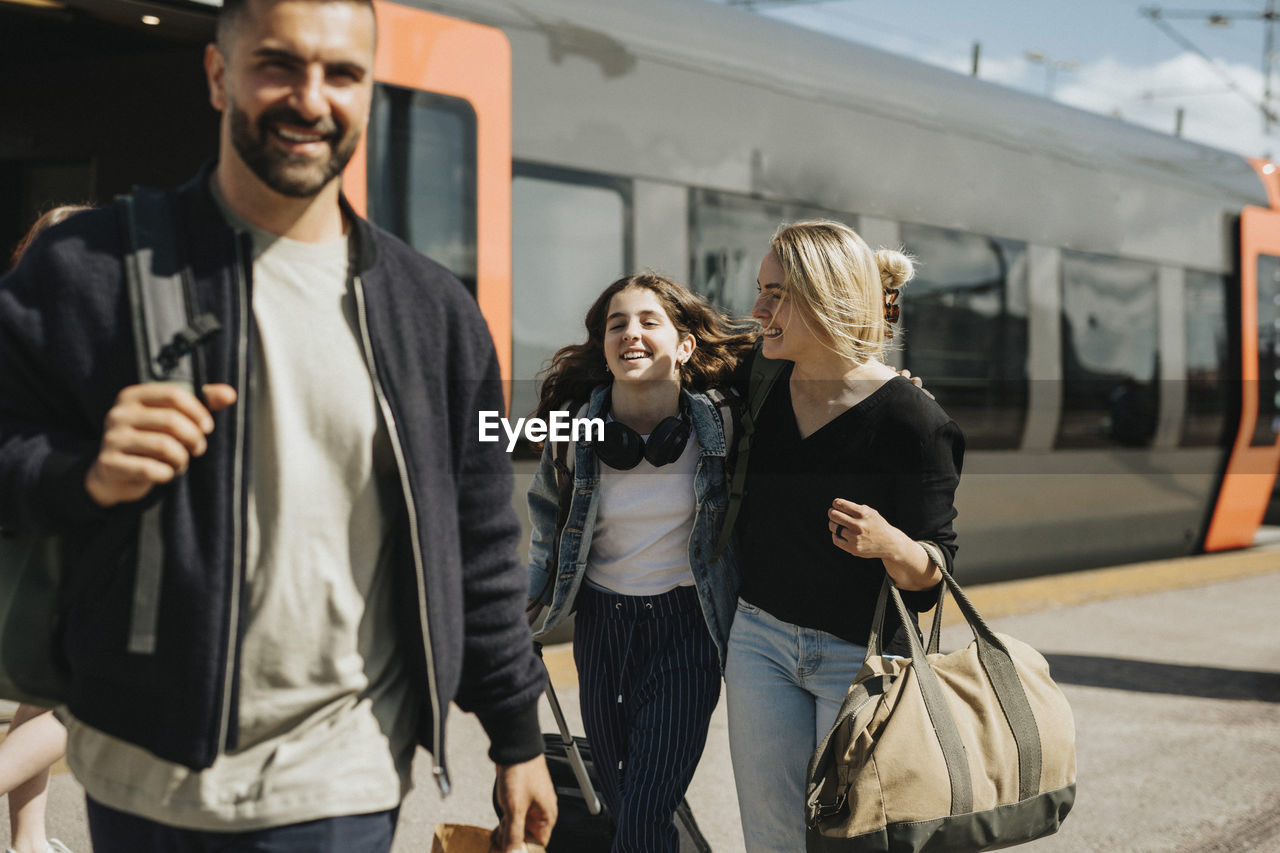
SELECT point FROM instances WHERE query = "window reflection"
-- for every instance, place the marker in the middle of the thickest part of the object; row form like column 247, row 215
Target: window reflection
column 729, row 237
column 1110, row 359
column 1268, row 424
column 1205, row 304
column 422, row 174
column 570, row 240
column 965, row 329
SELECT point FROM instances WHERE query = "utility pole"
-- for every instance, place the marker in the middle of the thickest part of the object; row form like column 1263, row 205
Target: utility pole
column 1051, row 68
column 1267, row 55
column 977, row 53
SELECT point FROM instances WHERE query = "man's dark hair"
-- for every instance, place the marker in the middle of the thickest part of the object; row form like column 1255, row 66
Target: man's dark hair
column 233, row 12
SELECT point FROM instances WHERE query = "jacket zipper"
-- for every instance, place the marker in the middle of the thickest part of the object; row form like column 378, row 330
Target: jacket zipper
column 237, row 496
column 438, row 769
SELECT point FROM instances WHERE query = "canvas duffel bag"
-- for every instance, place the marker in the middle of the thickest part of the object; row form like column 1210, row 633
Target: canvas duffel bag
column 967, row 751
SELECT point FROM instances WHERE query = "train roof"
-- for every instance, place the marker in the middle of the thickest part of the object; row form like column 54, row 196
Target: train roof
column 729, row 42
column 764, row 52
column 694, row 94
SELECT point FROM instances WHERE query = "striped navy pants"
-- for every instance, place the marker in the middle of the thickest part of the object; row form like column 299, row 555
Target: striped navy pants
column 649, row 679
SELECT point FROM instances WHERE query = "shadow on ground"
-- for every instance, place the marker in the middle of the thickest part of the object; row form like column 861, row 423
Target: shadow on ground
column 1210, row 682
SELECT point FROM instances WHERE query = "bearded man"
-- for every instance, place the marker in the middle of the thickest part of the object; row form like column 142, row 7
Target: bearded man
column 338, row 551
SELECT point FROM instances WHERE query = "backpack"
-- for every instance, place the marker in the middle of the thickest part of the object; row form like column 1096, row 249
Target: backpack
column 167, row 334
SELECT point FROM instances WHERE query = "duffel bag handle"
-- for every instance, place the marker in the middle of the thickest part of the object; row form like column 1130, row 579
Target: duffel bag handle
column 998, row 665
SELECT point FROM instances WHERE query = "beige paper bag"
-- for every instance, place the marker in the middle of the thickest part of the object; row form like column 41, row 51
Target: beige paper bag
column 459, row 838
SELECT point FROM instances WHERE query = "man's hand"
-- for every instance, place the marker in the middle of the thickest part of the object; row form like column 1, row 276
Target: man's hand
column 528, row 802
column 150, row 436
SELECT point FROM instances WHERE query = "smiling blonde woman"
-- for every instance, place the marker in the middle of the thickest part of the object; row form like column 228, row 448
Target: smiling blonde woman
column 851, row 465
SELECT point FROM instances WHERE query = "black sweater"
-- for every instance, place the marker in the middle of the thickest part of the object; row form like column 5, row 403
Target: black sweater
column 897, row 451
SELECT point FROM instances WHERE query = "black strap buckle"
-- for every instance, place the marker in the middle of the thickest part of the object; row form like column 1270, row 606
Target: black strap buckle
column 185, row 341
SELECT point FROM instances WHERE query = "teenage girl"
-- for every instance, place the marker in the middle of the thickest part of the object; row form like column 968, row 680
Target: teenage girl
column 654, row 605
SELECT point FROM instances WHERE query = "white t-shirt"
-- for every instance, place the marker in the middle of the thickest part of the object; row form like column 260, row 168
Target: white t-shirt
column 640, row 543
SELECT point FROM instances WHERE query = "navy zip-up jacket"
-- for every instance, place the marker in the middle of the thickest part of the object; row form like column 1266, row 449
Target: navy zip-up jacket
column 66, row 351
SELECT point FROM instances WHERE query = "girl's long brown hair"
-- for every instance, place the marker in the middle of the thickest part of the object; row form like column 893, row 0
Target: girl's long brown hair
column 48, row 219
column 721, row 345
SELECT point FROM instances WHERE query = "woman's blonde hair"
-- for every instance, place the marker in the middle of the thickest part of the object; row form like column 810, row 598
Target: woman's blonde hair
column 849, row 291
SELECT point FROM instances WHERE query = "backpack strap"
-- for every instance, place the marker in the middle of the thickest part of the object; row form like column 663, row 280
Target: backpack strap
column 764, row 373
column 166, row 331
column 730, row 406
column 167, row 335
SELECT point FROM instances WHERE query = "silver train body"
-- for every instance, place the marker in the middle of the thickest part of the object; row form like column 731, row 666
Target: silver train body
column 718, row 124
column 1078, row 306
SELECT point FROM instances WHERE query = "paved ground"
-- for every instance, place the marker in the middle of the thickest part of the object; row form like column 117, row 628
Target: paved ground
column 1172, row 670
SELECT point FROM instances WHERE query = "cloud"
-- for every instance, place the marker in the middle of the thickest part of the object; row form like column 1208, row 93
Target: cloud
column 1151, row 95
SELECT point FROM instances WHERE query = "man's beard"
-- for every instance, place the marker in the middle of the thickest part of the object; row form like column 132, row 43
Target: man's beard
column 293, row 175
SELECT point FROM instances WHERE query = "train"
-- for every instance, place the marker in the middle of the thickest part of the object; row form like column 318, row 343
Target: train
column 1097, row 304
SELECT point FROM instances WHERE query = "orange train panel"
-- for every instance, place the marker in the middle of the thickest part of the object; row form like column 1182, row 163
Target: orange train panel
column 1251, row 471
column 434, row 53
column 1270, row 175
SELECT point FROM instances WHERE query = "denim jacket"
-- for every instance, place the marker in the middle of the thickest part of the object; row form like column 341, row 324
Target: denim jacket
column 716, row 579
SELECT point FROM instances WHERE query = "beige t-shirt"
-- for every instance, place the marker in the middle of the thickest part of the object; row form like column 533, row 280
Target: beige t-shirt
column 326, row 712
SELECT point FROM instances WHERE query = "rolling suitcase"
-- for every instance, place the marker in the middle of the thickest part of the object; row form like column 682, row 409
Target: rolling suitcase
column 584, row 824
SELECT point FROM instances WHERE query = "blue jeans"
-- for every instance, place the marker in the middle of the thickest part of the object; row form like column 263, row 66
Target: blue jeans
column 784, row 685
column 117, row 832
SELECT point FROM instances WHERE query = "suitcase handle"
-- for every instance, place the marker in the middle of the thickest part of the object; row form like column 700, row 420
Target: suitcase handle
column 576, row 763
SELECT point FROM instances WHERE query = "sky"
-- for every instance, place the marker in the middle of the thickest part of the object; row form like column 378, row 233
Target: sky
column 1099, row 55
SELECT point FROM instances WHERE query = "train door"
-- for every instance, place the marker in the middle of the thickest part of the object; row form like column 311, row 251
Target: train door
column 434, row 167
column 1255, row 452
column 96, row 101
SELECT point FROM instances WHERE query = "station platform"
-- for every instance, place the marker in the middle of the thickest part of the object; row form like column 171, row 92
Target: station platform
column 1172, row 669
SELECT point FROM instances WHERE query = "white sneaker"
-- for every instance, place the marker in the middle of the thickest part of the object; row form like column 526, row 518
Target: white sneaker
column 56, row 846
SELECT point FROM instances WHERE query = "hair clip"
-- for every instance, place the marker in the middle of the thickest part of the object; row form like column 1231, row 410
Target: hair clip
column 892, row 310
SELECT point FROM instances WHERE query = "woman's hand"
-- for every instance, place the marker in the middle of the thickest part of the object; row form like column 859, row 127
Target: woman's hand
column 863, row 532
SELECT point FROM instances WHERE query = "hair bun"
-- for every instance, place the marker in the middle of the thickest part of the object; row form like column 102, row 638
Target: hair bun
column 896, row 268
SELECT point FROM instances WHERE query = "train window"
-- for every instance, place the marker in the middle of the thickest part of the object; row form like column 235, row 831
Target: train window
column 1268, row 425
column 1205, row 308
column 422, row 174
column 571, row 237
column 965, row 329
column 1110, row 357
column 729, row 236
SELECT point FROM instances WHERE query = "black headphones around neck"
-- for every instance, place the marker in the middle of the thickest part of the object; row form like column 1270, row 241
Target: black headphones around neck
column 623, row 448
